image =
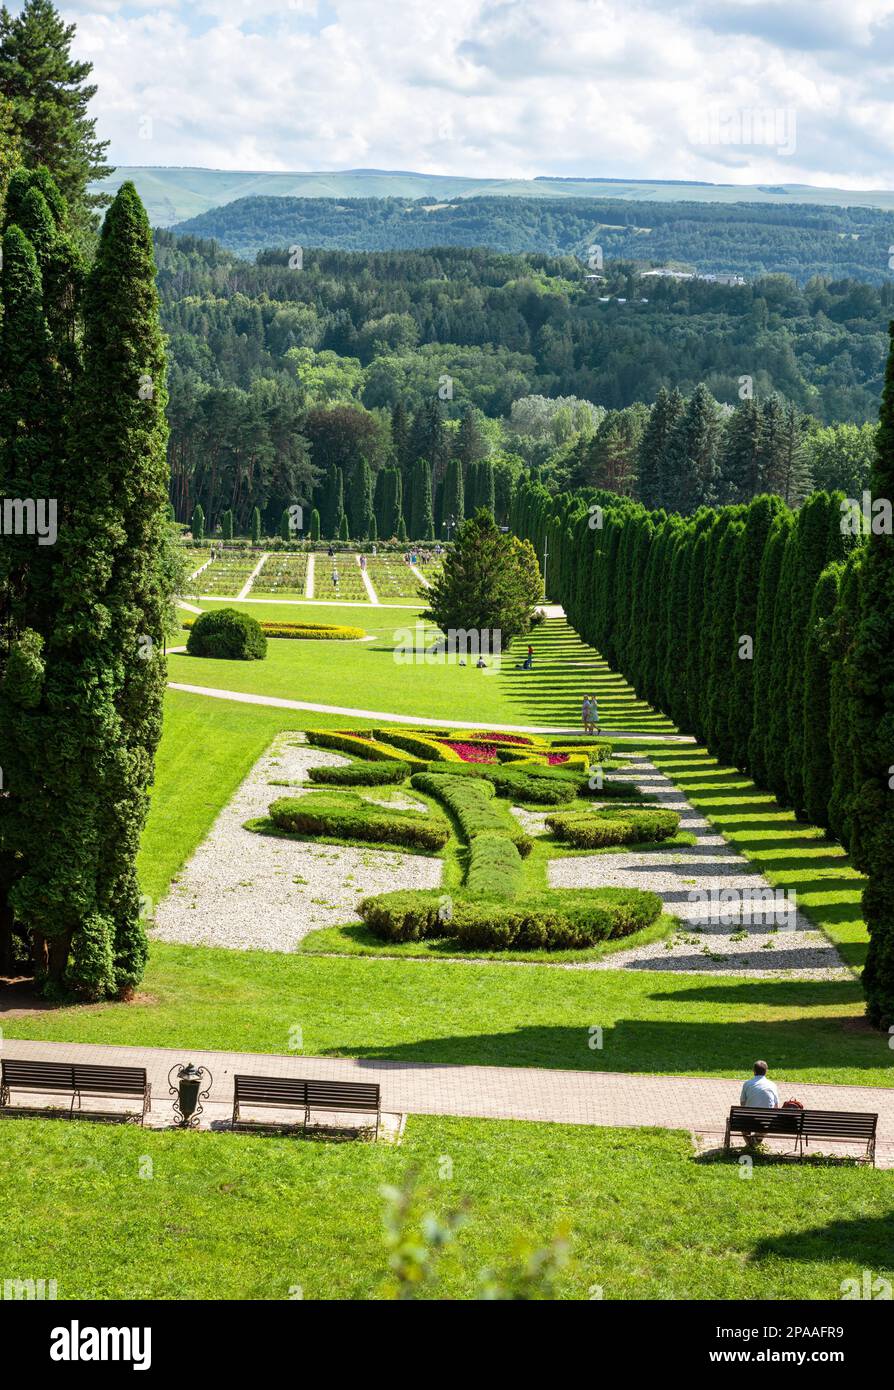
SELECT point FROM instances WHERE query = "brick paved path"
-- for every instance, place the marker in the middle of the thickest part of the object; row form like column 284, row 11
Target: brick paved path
column 698, row 1104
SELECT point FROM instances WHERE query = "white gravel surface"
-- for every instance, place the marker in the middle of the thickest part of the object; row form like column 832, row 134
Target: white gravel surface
column 689, row 878
column 258, row 892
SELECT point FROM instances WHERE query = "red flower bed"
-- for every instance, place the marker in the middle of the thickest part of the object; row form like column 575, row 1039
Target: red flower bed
column 471, row 752
column 506, row 738
column 554, row 758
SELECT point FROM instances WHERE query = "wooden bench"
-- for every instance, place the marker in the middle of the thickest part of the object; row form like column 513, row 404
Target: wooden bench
column 836, row 1126
column 75, row 1079
column 289, row 1093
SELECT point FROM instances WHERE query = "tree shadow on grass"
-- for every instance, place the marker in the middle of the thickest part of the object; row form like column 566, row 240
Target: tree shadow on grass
column 865, row 1242
column 725, row 1048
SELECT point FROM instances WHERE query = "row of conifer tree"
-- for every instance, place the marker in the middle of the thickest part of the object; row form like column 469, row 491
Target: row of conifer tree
column 767, row 633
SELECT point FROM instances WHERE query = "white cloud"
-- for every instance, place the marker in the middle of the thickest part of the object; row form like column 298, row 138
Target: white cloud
column 506, row 88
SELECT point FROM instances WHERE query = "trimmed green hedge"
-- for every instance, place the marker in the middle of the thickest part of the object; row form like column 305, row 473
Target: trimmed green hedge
column 616, row 825
column 418, row 745
column 347, row 816
column 495, row 867
column 359, row 774
column 228, row 635
column 563, row 920
column 330, row 632
column 357, row 746
column 471, row 802
column 525, row 784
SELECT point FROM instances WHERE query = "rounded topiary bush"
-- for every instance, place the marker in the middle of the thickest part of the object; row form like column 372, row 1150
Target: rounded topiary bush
column 227, row 634
column 622, row 825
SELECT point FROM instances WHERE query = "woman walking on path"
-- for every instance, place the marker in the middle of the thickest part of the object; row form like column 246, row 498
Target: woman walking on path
column 586, row 714
column 594, row 716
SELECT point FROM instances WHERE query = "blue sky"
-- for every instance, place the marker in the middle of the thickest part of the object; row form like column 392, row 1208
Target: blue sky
column 748, row 91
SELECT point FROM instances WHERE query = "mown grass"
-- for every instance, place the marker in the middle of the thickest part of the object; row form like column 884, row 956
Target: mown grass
column 123, row 1213
column 371, row 675
column 487, row 1013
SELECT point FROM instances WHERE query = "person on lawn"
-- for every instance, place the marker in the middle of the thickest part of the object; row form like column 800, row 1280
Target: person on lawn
column 586, row 714
column 594, row 716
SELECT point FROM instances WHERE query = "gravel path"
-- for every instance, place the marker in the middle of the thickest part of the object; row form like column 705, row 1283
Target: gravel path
column 715, row 934
column 257, row 892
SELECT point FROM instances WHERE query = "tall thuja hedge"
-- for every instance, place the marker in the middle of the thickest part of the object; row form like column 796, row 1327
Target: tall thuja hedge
column 719, row 711
column 40, row 289
column 819, row 538
column 819, row 772
column 872, row 676
column 668, row 601
column 759, row 518
column 95, row 688
column 842, row 641
column 768, row 588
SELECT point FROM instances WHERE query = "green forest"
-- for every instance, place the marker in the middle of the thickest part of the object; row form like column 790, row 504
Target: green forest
column 280, row 374
column 751, row 239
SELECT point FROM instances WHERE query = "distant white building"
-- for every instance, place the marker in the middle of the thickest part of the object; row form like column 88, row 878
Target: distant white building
column 721, row 279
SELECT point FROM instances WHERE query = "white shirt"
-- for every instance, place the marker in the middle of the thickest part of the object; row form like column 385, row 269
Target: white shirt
column 760, row 1090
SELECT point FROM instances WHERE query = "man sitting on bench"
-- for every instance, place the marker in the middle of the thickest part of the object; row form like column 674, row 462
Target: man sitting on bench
column 759, row 1091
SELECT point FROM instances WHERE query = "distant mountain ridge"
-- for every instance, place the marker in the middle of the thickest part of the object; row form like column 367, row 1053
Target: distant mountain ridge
column 175, row 194
column 801, row 240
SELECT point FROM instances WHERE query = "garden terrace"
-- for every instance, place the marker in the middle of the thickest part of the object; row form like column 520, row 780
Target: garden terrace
column 284, row 576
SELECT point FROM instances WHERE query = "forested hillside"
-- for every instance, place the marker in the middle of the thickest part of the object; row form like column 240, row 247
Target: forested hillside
column 751, row 239
column 279, row 376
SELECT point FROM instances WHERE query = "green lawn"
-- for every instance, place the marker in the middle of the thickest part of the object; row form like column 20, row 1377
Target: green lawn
column 370, row 675
column 492, row 1014
column 124, row 1213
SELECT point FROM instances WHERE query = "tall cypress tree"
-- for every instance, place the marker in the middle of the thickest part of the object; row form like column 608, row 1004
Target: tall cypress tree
column 872, row 673
column 759, row 741
column 819, row 768
column 422, row 525
column 842, row 637
column 692, row 469
column 818, row 539
column 740, row 466
column 652, row 454
column 360, row 500
column 198, row 522
column 759, row 519
column 96, row 681
column 454, row 493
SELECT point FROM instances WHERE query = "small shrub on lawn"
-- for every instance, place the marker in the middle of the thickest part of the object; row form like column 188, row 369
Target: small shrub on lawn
column 471, row 801
column 495, row 868
column 347, row 816
column 616, row 825
column 359, row 774
column 228, row 635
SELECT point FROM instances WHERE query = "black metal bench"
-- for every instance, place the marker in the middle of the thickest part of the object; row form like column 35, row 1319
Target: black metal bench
column 75, row 1079
column 288, row 1093
column 836, row 1126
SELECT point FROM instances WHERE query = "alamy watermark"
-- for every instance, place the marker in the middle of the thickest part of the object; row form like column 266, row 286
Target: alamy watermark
column 748, row 906
column 29, row 516
column 770, row 127
column 480, row 647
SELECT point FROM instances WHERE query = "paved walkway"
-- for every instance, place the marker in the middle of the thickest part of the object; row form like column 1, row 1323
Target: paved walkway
column 497, row 1093
column 243, row 698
